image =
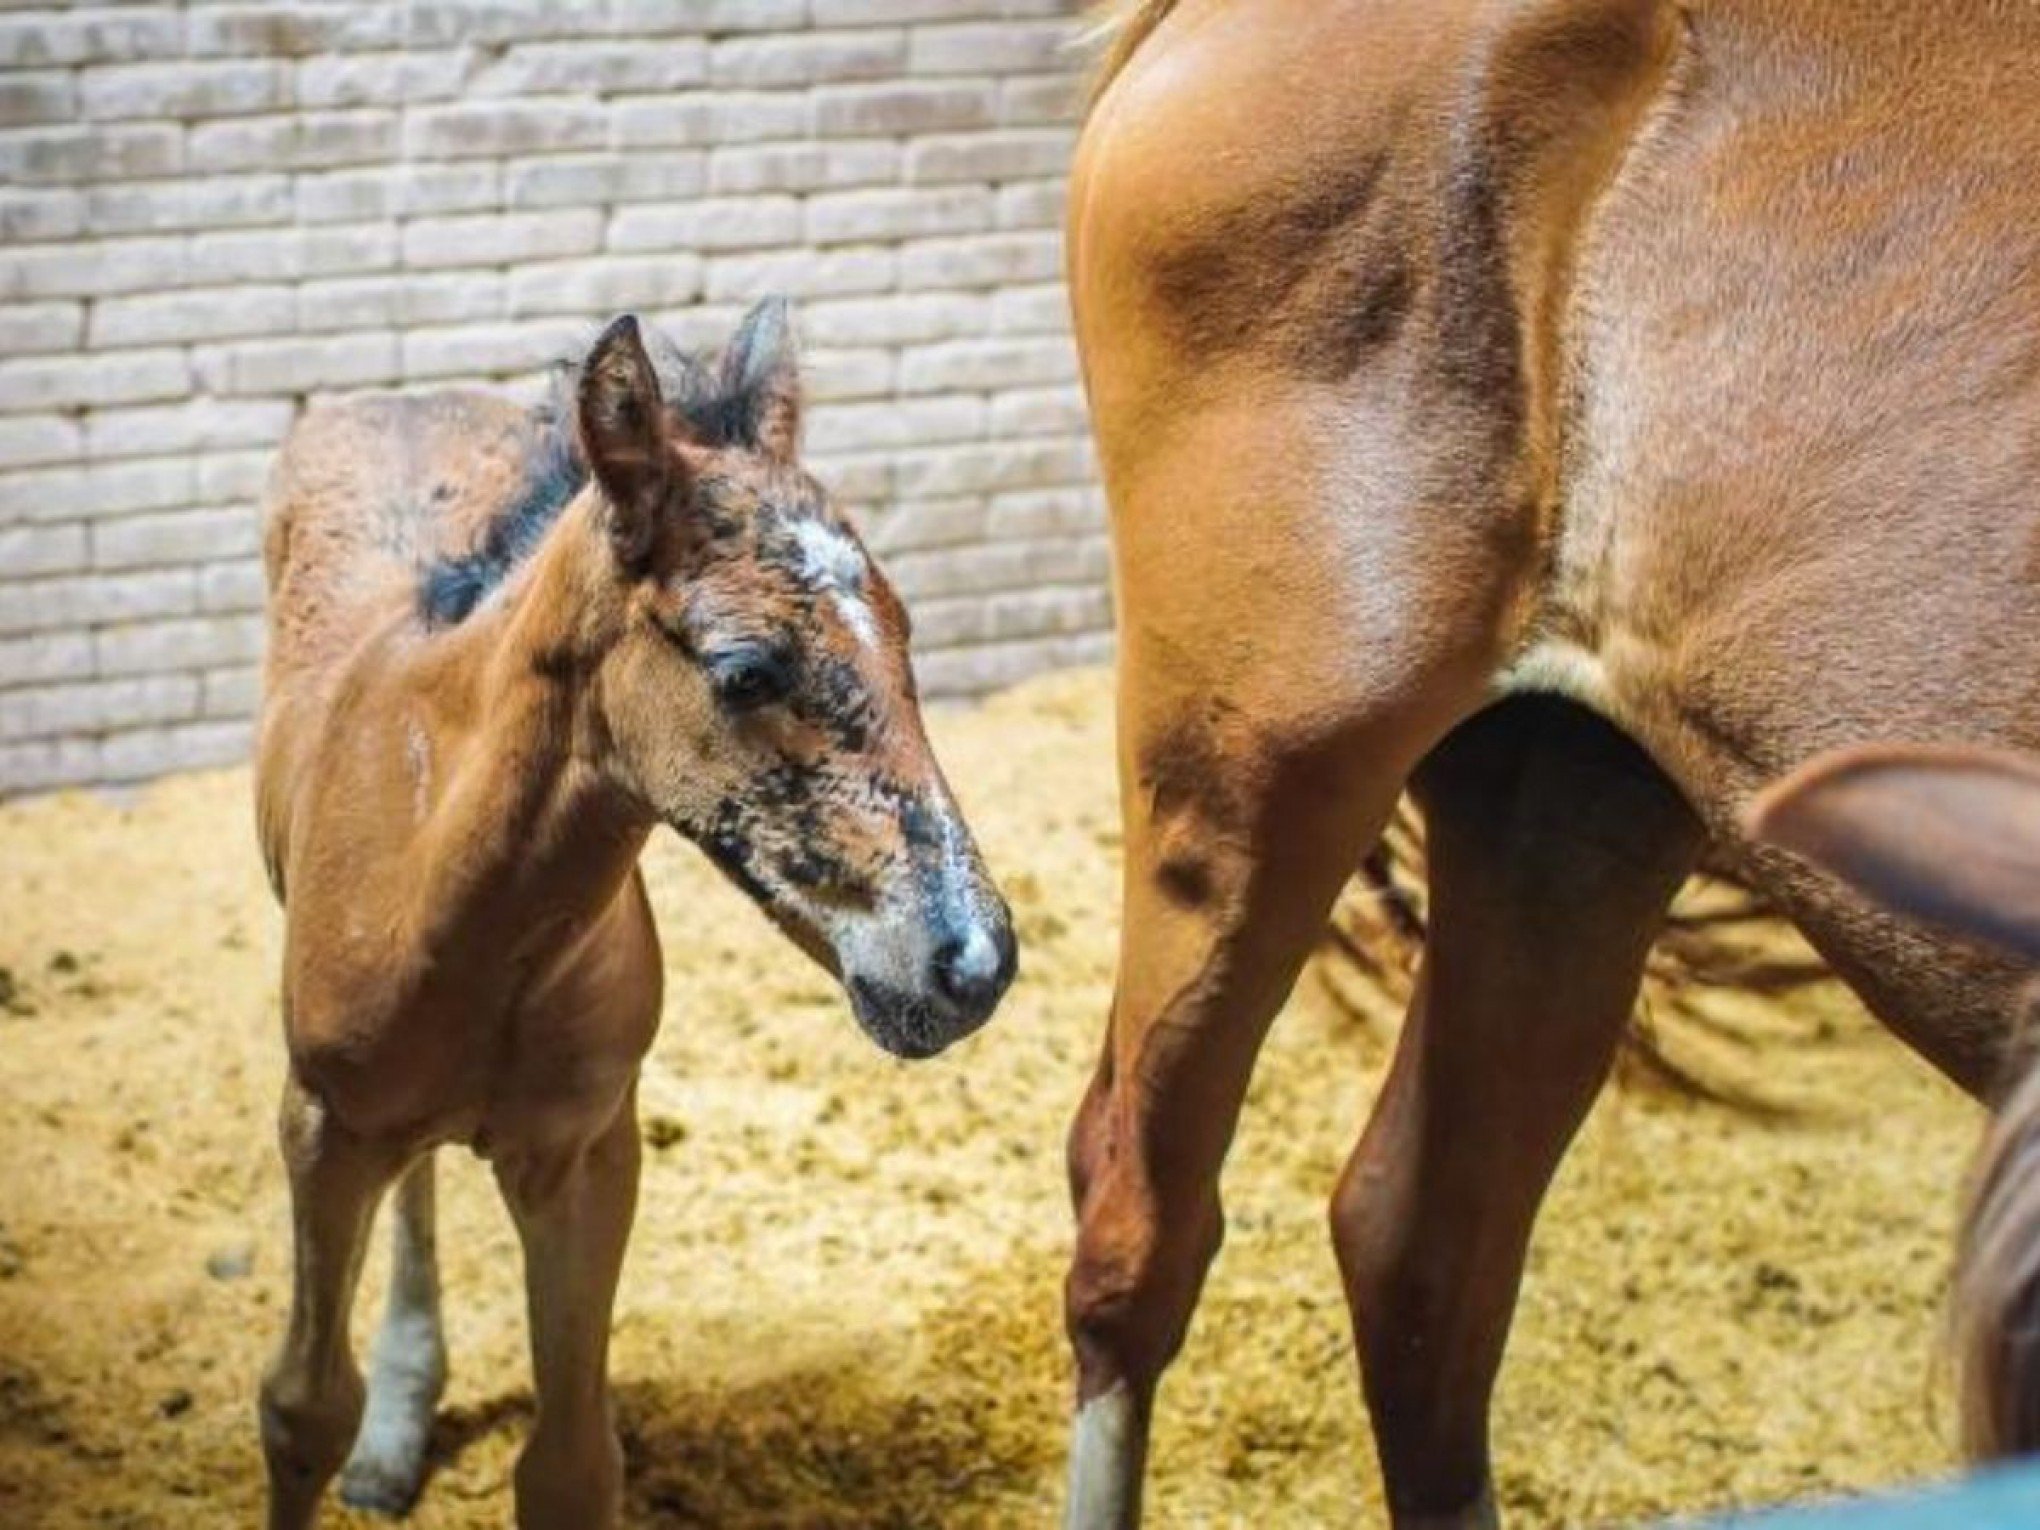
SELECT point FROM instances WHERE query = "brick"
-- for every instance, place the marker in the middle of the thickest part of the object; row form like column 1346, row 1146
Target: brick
column 92, row 270
column 213, row 202
column 31, row 440
column 844, row 13
column 801, row 273
column 45, row 656
column 186, row 89
column 483, row 349
column 894, row 319
column 28, row 385
column 34, row 328
column 26, row 550
column 234, row 692
column 40, row 764
column 993, row 566
column 297, row 30
column 1039, row 412
column 847, row 111
column 928, row 523
column 233, row 478
column 990, row 466
column 700, row 121
column 1039, row 309
column 139, row 754
column 807, row 58
column 1009, row 154
column 67, row 156
column 827, row 376
column 713, row 223
column 184, row 643
column 95, row 706
column 195, row 424
column 503, row 238
column 439, row 23
column 582, row 180
column 974, row 671
column 180, row 536
column 394, row 191
column 981, row 260
column 92, row 35
column 380, row 79
column 26, row 215
column 76, row 492
column 1032, row 204
column 268, row 255
column 303, row 141
column 894, row 422
column 633, row 18
column 490, row 129
column 1041, row 99
column 1024, row 47
column 396, row 301
column 1038, row 513
column 232, row 585
column 605, row 286
column 813, row 166
column 897, row 213
column 297, row 364
column 593, row 68
column 218, row 313
column 986, row 365
column 46, row 96
column 41, row 605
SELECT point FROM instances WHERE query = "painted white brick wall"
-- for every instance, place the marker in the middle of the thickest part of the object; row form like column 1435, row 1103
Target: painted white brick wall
column 213, row 212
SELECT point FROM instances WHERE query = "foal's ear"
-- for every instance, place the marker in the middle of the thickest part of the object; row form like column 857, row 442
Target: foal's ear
column 1947, row 835
column 624, row 436
column 761, row 378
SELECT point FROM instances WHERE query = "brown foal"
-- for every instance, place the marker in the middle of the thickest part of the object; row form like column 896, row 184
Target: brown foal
column 504, row 645
column 1581, row 411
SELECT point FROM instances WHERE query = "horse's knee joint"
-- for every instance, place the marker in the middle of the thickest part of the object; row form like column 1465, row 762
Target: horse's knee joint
column 306, row 1431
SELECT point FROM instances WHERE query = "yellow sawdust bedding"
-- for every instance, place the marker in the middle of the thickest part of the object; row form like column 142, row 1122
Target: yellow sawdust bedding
column 842, row 1304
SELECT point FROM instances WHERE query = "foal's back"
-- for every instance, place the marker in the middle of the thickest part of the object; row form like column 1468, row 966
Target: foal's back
column 367, row 494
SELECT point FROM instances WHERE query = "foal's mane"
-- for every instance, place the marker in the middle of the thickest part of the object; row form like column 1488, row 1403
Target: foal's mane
column 696, row 394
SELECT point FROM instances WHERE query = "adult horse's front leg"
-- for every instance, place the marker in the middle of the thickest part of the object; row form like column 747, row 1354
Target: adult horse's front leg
column 573, row 1208
column 1554, row 847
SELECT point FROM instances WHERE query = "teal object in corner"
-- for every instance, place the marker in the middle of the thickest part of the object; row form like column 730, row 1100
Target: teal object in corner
column 2004, row 1498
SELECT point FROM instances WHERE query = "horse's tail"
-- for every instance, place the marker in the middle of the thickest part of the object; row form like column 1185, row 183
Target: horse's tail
column 1952, row 836
column 1995, row 1301
column 1118, row 29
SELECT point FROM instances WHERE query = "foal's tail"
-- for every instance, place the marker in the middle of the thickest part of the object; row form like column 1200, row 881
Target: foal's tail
column 1117, row 30
column 1952, row 836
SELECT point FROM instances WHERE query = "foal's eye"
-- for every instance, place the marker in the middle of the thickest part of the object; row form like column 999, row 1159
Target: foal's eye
column 750, row 678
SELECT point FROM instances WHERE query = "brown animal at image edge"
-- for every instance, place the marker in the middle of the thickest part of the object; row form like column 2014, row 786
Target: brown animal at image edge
column 1581, row 413
column 505, row 646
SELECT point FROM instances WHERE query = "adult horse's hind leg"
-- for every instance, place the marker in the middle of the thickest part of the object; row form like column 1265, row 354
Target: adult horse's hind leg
column 573, row 1208
column 407, row 1372
column 1555, row 846
column 312, row 1395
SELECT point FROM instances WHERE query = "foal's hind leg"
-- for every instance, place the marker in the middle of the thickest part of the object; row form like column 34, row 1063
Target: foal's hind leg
column 408, row 1371
column 1554, row 848
column 312, row 1395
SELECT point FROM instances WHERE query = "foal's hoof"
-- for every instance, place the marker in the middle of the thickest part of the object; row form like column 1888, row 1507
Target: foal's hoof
column 381, row 1486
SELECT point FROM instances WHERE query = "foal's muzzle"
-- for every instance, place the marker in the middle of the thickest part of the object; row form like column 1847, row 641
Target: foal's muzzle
column 968, row 971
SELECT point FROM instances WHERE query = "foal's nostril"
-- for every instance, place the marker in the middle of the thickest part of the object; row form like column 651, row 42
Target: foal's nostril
column 971, row 971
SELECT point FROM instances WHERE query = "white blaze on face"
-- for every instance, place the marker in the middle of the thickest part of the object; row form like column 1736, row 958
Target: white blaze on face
column 835, row 562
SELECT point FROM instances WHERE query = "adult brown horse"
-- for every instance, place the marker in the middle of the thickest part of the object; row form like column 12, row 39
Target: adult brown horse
column 1582, row 411
column 503, row 647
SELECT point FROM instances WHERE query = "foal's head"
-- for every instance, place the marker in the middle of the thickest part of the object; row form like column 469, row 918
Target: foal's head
column 757, row 694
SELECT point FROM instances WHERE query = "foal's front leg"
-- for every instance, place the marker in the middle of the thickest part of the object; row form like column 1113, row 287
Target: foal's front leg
column 312, row 1395
column 573, row 1210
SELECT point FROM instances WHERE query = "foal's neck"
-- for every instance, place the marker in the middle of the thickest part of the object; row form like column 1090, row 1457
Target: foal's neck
column 530, row 839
